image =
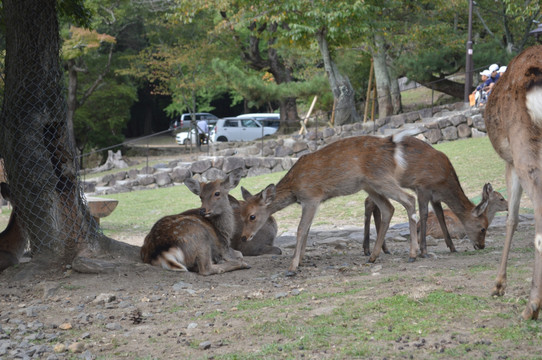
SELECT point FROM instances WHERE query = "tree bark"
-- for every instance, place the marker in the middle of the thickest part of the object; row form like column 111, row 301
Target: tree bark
column 382, row 78
column 343, row 92
column 38, row 150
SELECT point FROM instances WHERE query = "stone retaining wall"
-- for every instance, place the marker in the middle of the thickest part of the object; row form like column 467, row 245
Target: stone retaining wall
column 449, row 122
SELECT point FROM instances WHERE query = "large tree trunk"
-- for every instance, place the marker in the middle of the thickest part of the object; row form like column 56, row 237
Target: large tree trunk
column 343, row 92
column 38, row 150
column 382, row 78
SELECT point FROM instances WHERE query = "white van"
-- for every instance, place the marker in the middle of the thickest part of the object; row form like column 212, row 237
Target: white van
column 238, row 129
column 267, row 119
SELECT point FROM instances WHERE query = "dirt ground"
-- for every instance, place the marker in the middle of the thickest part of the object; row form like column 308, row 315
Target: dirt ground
column 143, row 312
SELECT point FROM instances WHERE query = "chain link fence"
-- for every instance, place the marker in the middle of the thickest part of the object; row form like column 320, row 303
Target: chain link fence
column 36, row 144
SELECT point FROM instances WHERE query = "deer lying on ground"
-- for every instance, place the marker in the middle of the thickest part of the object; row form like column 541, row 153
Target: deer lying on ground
column 513, row 117
column 12, row 242
column 342, row 168
column 496, row 203
column 431, row 175
column 261, row 244
column 198, row 239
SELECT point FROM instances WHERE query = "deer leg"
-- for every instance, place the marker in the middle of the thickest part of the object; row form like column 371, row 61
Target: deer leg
column 514, row 196
column 371, row 209
column 308, row 211
column 409, row 203
column 437, row 207
column 534, row 189
column 386, row 212
column 422, row 204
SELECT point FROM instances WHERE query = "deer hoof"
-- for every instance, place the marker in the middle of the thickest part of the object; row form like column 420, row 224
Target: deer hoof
column 498, row 290
column 411, row 259
column 290, row 273
column 531, row 311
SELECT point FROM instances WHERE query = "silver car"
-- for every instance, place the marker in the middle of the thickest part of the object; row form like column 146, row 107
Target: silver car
column 236, row 129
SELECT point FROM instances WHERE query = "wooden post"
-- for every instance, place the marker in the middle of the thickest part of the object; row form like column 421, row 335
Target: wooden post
column 304, row 122
column 368, row 91
column 332, row 121
column 373, row 104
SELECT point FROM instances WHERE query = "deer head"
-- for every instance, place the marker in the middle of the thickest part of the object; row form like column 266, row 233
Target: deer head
column 214, row 194
column 255, row 211
column 476, row 222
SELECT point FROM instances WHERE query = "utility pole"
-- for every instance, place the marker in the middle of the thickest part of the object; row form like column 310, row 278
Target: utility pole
column 468, row 62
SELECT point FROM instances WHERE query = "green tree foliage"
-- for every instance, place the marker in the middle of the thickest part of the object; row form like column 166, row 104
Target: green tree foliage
column 101, row 120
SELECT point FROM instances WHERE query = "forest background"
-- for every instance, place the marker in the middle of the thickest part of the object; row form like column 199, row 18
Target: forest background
column 131, row 66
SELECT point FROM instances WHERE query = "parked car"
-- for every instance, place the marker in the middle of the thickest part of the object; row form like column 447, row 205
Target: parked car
column 267, row 119
column 236, row 129
column 183, row 121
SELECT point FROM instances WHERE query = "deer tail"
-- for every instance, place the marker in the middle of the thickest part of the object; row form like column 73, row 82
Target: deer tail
column 171, row 259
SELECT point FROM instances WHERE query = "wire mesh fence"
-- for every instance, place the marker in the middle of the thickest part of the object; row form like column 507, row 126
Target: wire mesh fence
column 36, row 144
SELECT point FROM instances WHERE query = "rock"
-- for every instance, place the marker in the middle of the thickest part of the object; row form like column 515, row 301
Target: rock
column 104, row 298
column 204, row 345
column 76, row 347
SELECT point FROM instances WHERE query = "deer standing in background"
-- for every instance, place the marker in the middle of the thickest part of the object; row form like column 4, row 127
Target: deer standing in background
column 342, row 168
column 12, row 242
column 513, row 117
column 431, row 175
column 496, row 203
column 197, row 239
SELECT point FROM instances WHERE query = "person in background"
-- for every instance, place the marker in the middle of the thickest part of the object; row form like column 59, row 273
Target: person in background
column 203, row 129
column 502, row 69
column 493, row 77
column 479, row 92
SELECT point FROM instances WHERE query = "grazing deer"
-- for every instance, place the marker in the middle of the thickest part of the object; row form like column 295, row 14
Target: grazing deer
column 12, row 242
column 197, row 239
column 342, row 168
column 262, row 243
column 431, row 175
column 496, row 203
column 513, row 117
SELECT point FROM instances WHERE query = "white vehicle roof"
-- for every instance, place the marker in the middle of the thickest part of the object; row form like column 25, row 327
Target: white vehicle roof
column 260, row 115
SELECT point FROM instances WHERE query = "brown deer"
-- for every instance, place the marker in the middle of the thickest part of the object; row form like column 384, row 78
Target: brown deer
column 12, row 242
column 431, row 175
column 513, row 117
column 197, row 239
column 261, row 244
column 496, row 202
column 342, row 168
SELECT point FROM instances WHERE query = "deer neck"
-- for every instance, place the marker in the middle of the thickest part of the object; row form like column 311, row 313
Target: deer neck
column 460, row 205
column 224, row 225
column 284, row 197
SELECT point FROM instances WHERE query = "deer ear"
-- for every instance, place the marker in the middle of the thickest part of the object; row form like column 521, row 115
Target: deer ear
column 193, row 185
column 233, row 179
column 482, row 206
column 246, row 194
column 268, row 194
